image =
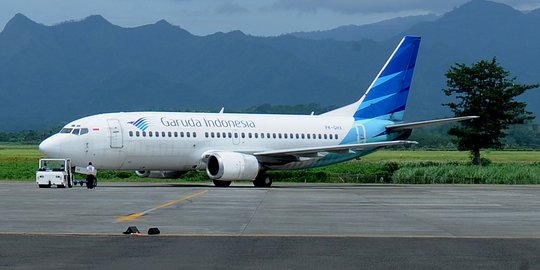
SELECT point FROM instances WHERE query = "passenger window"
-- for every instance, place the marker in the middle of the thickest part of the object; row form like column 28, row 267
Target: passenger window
column 194, row 134
column 285, row 135
column 169, row 133
column 144, row 133
column 236, row 135
column 230, row 135
column 336, row 137
column 309, row 136
column 325, row 136
column 131, row 134
column 84, row 131
column 176, row 134
column 157, row 133
column 268, row 135
column 262, row 135
column 188, row 134
column 218, row 134
column 249, row 135
column 320, row 137
column 297, row 136
column 279, row 135
column 243, row 135
column 212, row 134
column 206, row 134
column 150, row 133
column 137, row 133
column 224, row 135
column 163, row 134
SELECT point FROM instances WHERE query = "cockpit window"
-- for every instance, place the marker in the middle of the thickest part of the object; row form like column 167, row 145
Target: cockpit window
column 83, row 131
column 76, row 131
column 66, row 130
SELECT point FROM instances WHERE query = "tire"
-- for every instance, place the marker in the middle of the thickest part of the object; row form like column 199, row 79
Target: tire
column 219, row 183
column 262, row 180
column 44, row 186
column 61, row 186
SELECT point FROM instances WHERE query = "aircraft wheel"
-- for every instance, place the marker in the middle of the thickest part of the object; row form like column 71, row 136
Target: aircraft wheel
column 219, row 183
column 262, row 180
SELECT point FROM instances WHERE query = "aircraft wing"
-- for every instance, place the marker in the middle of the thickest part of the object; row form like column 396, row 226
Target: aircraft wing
column 414, row 125
column 345, row 148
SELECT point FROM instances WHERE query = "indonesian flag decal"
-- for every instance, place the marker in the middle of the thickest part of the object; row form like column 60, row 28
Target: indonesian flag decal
column 95, row 129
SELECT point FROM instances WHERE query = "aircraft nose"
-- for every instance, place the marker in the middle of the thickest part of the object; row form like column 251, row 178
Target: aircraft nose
column 51, row 147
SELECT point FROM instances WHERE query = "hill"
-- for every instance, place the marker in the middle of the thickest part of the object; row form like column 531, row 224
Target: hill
column 379, row 31
column 50, row 75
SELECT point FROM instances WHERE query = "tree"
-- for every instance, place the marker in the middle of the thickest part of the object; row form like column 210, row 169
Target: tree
column 484, row 89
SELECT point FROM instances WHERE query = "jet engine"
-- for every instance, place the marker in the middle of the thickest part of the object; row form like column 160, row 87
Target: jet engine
column 160, row 174
column 228, row 166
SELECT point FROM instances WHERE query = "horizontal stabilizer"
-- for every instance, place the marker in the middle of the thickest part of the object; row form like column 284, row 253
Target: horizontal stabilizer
column 332, row 149
column 414, row 125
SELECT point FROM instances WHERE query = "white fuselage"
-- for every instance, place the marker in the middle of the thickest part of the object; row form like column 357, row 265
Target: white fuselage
column 178, row 141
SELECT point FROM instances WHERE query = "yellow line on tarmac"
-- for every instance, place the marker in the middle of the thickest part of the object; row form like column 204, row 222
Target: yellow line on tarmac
column 134, row 216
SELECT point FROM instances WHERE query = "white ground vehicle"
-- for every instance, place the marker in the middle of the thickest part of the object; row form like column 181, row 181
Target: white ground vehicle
column 54, row 172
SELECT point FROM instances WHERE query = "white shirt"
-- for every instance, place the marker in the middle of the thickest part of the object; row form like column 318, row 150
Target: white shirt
column 91, row 170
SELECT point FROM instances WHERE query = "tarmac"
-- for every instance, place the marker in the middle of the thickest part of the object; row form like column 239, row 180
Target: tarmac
column 301, row 226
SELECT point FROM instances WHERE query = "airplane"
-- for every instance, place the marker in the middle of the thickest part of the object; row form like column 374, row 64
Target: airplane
column 232, row 146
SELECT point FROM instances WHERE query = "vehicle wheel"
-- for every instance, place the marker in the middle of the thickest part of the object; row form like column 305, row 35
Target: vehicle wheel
column 262, row 180
column 70, row 184
column 44, row 186
column 60, row 186
column 81, row 183
column 219, row 183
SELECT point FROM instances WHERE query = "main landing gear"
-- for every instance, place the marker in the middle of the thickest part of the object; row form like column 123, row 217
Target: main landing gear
column 262, row 180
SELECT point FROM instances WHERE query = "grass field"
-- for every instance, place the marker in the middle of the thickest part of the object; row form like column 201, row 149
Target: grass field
column 19, row 162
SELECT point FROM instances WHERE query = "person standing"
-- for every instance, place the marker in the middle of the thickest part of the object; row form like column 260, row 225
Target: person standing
column 90, row 176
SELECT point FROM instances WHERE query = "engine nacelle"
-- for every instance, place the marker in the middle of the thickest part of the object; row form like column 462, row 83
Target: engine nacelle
column 160, row 174
column 230, row 166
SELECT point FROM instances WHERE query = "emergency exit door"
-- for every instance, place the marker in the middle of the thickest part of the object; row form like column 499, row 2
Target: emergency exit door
column 115, row 133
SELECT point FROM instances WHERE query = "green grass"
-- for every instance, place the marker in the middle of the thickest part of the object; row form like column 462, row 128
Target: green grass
column 430, row 173
column 452, row 156
column 19, row 162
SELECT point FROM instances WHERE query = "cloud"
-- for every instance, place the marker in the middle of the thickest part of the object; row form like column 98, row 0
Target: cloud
column 230, row 8
column 381, row 6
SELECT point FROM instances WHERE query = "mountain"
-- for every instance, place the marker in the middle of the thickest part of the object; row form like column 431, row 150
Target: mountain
column 474, row 31
column 379, row 31
column 50, row 75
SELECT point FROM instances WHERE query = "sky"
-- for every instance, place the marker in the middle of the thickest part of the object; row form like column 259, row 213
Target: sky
column 254, row 17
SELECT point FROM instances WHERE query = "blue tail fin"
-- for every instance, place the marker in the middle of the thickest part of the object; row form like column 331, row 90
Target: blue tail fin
column 386, row 97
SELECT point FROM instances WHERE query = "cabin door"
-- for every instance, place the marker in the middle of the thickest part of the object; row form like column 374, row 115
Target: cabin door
column 115, row 132
column 360, row 133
